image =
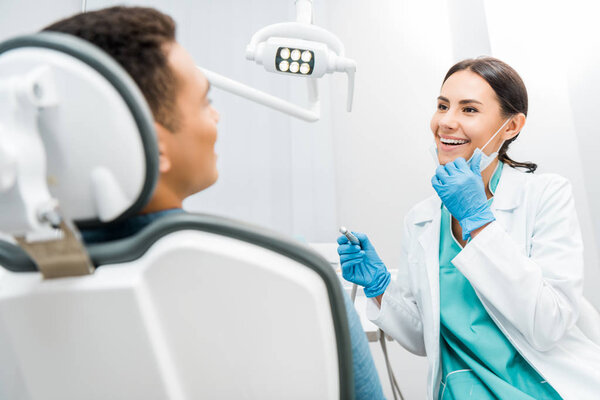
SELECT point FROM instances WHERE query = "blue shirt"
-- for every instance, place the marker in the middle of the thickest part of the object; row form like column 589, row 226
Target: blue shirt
column 478, row 361
column 125, row 228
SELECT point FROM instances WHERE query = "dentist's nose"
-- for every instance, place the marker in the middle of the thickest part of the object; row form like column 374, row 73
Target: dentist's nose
column 448, row 122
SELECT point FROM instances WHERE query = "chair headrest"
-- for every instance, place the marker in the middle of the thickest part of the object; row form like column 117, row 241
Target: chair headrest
column 97, row 136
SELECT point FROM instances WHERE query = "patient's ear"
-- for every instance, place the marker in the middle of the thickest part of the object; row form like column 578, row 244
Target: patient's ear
column 164, row 160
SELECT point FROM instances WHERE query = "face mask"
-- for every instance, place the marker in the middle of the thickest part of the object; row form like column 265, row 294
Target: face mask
column 434, row 153
column 485, row 160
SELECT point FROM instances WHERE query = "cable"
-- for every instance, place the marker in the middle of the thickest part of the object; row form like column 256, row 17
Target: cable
column 83, row 6
column 393, row 382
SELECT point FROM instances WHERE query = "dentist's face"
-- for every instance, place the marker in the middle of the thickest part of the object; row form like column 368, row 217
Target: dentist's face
column 467, row 115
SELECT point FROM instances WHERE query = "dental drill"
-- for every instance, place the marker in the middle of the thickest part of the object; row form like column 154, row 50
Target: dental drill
column 354, row 240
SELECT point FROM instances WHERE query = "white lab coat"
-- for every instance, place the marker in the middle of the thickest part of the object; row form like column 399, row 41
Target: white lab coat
column 527, row 270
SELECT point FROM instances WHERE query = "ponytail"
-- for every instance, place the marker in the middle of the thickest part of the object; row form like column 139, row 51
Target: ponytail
column 502, row 156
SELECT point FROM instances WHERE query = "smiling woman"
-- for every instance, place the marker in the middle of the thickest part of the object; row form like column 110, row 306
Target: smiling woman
column 482, row 105
column 507, row 91
column 490, row 282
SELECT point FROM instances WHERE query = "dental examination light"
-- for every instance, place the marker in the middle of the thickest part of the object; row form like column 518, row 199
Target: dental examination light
column 298, row 49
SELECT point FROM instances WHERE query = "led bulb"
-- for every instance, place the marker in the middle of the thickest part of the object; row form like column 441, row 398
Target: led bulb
column 306, row 56
column 304, row 68
column 294, row 67
column 284, row 66
column 295, row 54
column 284, row 53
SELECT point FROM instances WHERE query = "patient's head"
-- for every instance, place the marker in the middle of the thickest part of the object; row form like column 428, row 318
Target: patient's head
column 143, row 41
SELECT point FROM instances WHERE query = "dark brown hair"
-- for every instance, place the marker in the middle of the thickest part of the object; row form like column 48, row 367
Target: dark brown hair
column 510, row 92
column 139, row 39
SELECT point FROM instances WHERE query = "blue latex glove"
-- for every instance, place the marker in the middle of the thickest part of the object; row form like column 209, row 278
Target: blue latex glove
column 461, row 189
column 362, row 265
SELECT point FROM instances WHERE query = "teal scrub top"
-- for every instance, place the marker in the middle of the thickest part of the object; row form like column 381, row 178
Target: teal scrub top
column 478, row 361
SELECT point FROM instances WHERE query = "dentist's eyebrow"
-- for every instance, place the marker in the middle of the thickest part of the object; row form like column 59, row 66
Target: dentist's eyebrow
column 465, row 101
column 469, row 101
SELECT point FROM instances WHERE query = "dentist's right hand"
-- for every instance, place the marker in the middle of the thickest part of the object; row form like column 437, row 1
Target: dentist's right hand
column 362, row 265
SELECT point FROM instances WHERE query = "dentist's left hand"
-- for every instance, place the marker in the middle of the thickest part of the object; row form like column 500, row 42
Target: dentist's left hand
column 461, row 189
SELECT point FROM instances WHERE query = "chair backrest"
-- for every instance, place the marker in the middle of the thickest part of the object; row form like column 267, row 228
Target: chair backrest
column 95, row 145
column 193, row 306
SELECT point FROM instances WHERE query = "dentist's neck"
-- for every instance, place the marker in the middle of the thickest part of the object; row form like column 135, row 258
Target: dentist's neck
column 486, row 175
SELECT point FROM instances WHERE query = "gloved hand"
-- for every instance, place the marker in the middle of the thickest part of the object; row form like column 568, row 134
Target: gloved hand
column 362, row 265
column 461, row 189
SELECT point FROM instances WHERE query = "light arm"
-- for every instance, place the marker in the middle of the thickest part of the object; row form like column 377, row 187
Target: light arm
column 229, row 85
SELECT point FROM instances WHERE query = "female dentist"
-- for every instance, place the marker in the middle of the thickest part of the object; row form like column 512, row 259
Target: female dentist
column 490, row 286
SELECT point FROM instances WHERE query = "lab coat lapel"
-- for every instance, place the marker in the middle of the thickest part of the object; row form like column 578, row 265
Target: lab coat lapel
column 430, row 242
column 509, row 193
column 428, row 218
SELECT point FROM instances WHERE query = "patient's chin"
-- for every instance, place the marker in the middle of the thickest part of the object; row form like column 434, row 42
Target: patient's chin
column 208, row 182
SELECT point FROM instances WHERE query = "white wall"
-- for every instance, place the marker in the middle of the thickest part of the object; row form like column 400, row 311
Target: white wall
column 555, row 137
column 382, row 163
column 582, row 60
column 274, row 171
column 383, row 167
column 403, row 49
column 17, row 18
column 367, row 168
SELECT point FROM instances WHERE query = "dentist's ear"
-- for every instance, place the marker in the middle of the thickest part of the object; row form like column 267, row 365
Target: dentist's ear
column 164, row 160
column 515, row 125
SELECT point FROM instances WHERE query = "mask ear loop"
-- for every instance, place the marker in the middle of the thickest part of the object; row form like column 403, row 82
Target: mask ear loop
column 434, row 154
column 494, row 135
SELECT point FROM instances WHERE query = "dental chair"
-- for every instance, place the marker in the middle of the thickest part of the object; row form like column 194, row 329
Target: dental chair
column 192, row 307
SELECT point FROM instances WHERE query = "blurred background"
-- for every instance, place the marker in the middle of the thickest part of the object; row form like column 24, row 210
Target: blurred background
column 367, row 168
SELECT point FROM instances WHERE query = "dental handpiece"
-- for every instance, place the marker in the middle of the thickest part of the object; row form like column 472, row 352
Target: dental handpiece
column 354, row 240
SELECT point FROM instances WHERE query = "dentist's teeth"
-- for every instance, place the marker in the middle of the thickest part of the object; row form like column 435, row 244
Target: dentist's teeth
column 453, row 141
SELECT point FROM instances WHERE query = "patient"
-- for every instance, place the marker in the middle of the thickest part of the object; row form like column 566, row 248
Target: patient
column 143, row 41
